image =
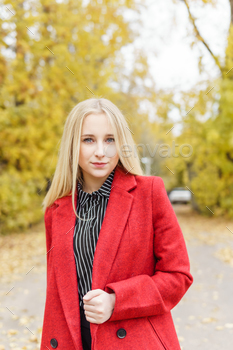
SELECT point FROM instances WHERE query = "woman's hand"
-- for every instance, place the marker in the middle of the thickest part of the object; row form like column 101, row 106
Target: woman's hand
column 98, row 305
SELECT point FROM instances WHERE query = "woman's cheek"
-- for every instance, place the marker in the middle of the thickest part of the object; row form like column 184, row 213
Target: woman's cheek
column 110, row 151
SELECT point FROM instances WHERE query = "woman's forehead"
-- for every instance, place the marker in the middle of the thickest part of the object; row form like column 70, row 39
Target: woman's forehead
column 94, row 123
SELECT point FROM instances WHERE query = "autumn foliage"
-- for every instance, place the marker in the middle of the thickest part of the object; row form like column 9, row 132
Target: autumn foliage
column 55, row 54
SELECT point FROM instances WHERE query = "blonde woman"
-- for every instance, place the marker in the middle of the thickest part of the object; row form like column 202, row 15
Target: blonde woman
column 117, row 262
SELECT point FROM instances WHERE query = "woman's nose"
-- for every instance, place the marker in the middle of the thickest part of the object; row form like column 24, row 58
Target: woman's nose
column 100, row 150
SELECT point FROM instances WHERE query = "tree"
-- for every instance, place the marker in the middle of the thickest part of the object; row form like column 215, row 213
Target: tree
column 54, row 55
column 208, row 127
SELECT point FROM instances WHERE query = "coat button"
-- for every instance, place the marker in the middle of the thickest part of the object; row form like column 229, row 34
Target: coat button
column 54, row 343
column 121, row 333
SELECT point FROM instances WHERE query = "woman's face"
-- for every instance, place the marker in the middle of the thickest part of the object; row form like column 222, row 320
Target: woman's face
column 97, row 145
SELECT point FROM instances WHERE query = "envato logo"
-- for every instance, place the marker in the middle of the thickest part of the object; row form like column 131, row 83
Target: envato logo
column 164, row 150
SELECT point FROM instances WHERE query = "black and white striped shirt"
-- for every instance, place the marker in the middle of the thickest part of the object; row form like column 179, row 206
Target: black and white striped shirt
column 92, row 207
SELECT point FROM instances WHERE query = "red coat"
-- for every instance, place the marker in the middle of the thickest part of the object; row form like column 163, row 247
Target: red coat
column 140, row 255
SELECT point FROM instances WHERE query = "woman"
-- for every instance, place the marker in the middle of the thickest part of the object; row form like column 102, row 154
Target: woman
column 116, row 258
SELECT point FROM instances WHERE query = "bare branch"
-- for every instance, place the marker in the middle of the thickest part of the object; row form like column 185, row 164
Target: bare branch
column 200, row 37
column 231, row 5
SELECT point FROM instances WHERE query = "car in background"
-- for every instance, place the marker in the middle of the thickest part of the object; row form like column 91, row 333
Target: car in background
column 180, row 195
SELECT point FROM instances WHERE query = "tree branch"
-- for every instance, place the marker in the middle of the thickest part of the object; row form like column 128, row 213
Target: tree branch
column 231, row 5
column 200, row 37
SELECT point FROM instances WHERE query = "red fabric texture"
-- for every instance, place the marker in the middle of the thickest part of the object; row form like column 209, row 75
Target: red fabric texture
column 140, row 255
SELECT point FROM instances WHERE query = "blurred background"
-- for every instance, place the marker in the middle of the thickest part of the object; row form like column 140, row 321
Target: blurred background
column 168, row 66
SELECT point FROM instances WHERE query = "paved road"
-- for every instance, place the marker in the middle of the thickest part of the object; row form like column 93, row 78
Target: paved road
column 203, row 318
column 26, row 301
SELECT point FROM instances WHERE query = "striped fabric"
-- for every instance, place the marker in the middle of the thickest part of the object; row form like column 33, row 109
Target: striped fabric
column 92, row 207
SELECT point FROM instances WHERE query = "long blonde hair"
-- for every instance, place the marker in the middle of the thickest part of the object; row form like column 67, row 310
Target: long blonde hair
column 68, row 171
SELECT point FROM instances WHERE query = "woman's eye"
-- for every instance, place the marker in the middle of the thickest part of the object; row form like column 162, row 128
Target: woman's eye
column 110, row 138
column 87, row 139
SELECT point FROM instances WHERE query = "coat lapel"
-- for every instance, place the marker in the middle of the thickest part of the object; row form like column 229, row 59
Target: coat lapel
column 65, row 268
column 117, row 212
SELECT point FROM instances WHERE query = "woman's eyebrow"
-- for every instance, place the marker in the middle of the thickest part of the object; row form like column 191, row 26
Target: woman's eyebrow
column 94, row 135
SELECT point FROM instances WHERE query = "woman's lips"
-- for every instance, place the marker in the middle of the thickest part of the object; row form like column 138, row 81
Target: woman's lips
column 99, row 165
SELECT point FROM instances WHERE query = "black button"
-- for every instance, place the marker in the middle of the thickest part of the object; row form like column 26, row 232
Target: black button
column 121, row 333
column 94, row 196
column 54, row 343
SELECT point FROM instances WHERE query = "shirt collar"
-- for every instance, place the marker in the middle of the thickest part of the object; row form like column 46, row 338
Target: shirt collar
column 104, row 190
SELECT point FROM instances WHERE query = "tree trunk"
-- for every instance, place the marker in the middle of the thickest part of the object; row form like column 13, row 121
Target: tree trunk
column 231, row 5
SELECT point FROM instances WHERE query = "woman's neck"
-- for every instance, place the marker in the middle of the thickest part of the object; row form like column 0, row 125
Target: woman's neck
column 92, row 185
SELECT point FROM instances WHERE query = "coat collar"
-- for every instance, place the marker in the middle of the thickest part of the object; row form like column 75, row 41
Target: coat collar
column 122, row 180
column 117, row 212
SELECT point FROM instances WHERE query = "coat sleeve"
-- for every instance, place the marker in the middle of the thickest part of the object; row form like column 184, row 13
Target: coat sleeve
column 144, row 295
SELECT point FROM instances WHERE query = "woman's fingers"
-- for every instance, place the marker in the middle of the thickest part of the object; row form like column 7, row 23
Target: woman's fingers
column 91, row 308
column 90, row 319
column 100, row 307
column 94, row 310
column 89, row 302
column 92, row 294
column 91, row 314
column 94, row 317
